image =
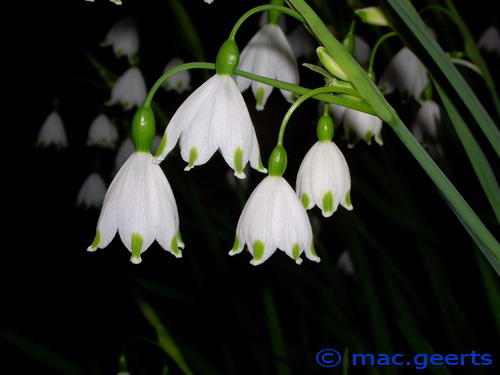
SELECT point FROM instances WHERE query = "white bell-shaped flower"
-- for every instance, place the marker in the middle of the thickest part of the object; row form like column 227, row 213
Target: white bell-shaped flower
column 345, row 264
column 180, row 81
column 124, row 39
column 102, row 132
column 360, row 125
column 273, row 218
column 362, row 51
column 92, row 192
column 490, row 40
column 52, row 132
column 405, row 73
column 213, row 117
column 268, row 54
column 139, row 205
column 425, row 126
column 323, row 179
column 129, row 90
column 302, row 43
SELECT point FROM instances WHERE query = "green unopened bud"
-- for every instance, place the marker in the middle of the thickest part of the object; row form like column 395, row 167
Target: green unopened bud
column 143, row 129
column 277, row 162
column 373, row 16
column 325, row 128
column 227, row 58
column 371, row 74
column 330, row 64
column 349, row 41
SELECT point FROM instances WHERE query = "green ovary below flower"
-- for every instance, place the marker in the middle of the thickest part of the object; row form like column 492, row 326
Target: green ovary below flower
column 139, row 205
column 273, row 218
column 323, row 179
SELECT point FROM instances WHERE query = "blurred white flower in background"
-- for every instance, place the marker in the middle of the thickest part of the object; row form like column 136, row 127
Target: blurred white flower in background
column 52, row 132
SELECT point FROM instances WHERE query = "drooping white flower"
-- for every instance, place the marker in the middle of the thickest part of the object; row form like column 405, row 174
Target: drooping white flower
column 425, row 126
column 117, row 2
column 214, row 117
column 323, row 179
column 102, row 132
column 92, row 192
column 129, row 89
column 405, row 73
column 127, row 148
column 124, row 39
column 139, row 205
column 362, row 51
column 273, row 218
column 359, row 125
column 268, row 54
column 52, row 132
column 490, row 40
column 209, row 1
column 302, row 43
column 345, row 264
column 180, row 81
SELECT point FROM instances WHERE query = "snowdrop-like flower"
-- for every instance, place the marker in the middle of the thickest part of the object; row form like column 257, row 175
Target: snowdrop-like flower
column 323, row 179
column 117, row 2
column 92, row 192
column 406, row 73
column 52, row 132
column 124, row 39
column 344, row 263
column 180, row 81
column 209, row 1
column 359, row 125
column 102, row 132
column 273, row 218
column 303, row 45
column 214, row 117
column 490, row 40
column 129, row 89
column 425, row 126
column 139, row 205
column 362, row 51
column 268, row 54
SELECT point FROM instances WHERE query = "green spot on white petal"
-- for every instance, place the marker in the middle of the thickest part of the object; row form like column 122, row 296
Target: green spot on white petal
column 258, row 250
column 328, row 202
column 180, row 242
column 174, row 247
column 261, row 166
column 305, row 200
column 348, row 199
column 238, row 163
column 260, row 98
column 162, row 146
column 378, row 139
column 296, row 252
column 368, row 137
column 95, row 243
column 193, row 155
column 236, row 246
column 136, row 248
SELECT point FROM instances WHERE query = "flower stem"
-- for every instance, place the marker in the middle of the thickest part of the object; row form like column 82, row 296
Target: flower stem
column 296, row 104
column 376, row 47
column 263, row 8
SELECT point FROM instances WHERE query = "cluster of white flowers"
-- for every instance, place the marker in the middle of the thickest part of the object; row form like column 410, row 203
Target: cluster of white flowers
column 140, row 204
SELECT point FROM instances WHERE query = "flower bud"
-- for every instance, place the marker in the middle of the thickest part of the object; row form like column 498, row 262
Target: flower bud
column 373, row 16
column 330, row 64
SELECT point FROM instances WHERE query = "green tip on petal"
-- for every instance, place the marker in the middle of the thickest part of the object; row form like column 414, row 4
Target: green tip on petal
column 162, row 145
column 348, row 201
column 260, row 98
column 258, row 251
column 193, row 155
column 328, row 204
column 378, row 139
column 95, row 243
column 296, row 253
column 305, row 201
column 368, row 137
column 238, row 163
column 180, row 242
column 236, row 247
column 174, row 248
column 312, row 253
column 136, row 248
column 261, row 166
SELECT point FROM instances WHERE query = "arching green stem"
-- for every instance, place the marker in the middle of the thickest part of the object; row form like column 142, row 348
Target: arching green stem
column 263, row 8
column 171, row 72
column 296, row 104
column 376, row 47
